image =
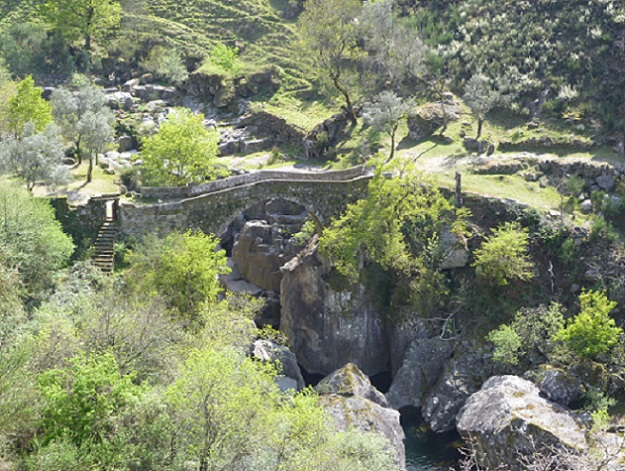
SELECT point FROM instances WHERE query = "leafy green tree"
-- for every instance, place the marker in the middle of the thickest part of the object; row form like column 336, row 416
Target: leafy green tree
column 29, row 49
column 183, row 151
column 84, row 119
column 507, row 344
column 37, row 157
column 31, row 239
column 530, row 336
column 329, row 32
column 395, row 52
column 222, row 400
column 165, row 63
column 592, row 331
column 503, row 256
column 481, row 96
column 82, row 400
column 397, row 228
column 386, row 114
column 86, row 19
column 183, row 268
column 26, row 106
column 225, row 57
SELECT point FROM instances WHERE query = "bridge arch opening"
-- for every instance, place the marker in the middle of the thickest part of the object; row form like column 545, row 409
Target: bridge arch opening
column 289, row 214
column 258, row 242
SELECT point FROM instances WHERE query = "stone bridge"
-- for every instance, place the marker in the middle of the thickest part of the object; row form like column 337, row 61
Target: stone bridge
column 216, row 204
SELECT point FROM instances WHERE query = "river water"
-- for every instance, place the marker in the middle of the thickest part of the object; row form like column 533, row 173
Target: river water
column 427, row 451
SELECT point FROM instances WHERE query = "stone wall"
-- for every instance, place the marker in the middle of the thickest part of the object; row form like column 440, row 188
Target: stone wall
column 176, row 192
column 213, row 212
column 82, row 222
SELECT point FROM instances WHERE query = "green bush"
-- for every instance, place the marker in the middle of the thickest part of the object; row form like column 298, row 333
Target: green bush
column 503, row 256
column 165, row 63
column 592, row 331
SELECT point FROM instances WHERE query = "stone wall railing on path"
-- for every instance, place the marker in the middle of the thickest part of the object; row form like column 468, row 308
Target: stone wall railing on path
column 324, row 194
column 179, row 192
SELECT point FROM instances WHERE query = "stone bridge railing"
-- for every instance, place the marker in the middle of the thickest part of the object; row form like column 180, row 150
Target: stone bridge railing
column 324, row 194
column 179, row 192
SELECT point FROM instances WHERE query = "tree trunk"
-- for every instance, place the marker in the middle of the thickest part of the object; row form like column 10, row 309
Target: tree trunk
column 348, row 101
column 480, row 122
column 78, row 152
column 392, row 154
column 90, row 170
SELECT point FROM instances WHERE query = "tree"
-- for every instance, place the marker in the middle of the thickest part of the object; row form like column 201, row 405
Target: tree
column 183, row 151
column 396, row 228
column 37, row 157
column 503, row 256
column 31, row 239
column 165, row 63
column 329, row 32
column 507, row 344
column 183, row 268
column 386, row 114
column 81, row 399
column 222, row 401
column 481, row 96
column 86, row 19
column 592, row 331
column 25, row 106
column 396, row 54
column 84, row 119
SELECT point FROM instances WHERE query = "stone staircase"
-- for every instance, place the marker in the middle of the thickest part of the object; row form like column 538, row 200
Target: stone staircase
column 103, row 248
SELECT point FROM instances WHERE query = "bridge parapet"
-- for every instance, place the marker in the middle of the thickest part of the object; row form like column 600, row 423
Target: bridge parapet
column 213, row 211
column 180, row 192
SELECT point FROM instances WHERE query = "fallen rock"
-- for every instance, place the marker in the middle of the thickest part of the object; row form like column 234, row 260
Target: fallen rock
column 455, row 251
column 346, row 394
column 463, row 375
column 606, row 182
column 259, row 254
column 560, row 386
column 508, row 418
column 424, row 120
column 124, row 143
column 350, row 381
column 422, row 366
column 268, row 351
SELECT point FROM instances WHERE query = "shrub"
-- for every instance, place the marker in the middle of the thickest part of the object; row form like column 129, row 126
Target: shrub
column 165, row 63
column 503, row 256
column 592, row 331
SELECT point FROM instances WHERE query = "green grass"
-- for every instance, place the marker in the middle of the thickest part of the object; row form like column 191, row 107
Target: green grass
column 102, row 183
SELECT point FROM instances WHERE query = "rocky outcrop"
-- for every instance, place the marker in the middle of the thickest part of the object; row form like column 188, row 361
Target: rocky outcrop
column 454, row 250
column 328, row 325
column 259, row 253
column 508, row 418
column 423, row 364
column 560, row 386
column 325, row 135
column 424, row 120
column 463, row 375
column 224, row 90
column 348, row 396
column 289, row 374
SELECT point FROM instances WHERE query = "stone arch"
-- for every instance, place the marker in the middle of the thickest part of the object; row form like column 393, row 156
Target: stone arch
column 234, row 215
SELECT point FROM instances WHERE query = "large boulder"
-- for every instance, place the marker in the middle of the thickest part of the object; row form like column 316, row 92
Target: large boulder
column 289, row 374
column 260, row 252
column 424, row 120
column 508, row 418
column 560, row 386
column 463, row 375
column 328, row 324
column 422, row 366
column 348, row 396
